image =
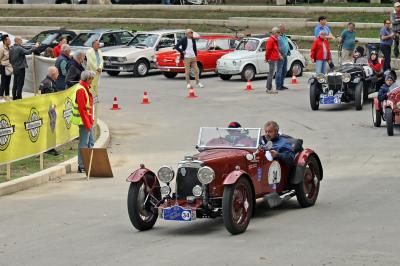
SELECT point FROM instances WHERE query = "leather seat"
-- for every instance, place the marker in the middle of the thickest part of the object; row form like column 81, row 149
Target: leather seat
column 297, row 144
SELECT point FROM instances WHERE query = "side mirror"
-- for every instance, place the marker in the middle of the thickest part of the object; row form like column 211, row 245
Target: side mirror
column 101, row 44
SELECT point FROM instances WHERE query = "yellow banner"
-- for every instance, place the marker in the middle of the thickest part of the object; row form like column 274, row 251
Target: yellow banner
column 34, row 125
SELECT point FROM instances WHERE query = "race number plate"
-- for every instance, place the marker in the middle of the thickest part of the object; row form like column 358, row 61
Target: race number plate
column 177, row 213
column 330, row 99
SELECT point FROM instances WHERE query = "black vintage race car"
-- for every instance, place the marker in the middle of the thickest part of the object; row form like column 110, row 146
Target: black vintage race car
column 352, row 82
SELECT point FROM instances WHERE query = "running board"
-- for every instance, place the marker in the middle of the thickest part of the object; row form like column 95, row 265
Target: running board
column 273, row 200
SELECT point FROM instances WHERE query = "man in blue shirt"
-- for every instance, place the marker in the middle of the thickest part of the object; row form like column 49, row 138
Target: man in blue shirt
column 281, row 68
column 348, row 40
column 386, row 35
column 281, row 148
column 322, row 27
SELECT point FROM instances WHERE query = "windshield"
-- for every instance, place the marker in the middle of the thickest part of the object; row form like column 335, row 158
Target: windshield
column 85, row 39
column 49, row 38
column 146, row 40
column 201, row 44
column 248, row 45
column 214, row 137
column 42, row 37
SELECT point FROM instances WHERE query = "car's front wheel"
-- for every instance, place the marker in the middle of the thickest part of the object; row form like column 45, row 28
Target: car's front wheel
column 308, row 188
column 225, row 76
column 359, row 96
column 113, row 73
column 248, row 73
column 314, row 96
column 142, row 213
column 237, row 206
column 170, row 75
column 141, row 68
column 389, row 121
column 376, row 116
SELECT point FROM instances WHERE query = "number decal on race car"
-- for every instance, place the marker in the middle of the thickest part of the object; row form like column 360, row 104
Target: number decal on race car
column 186, row 215
column 274, row 173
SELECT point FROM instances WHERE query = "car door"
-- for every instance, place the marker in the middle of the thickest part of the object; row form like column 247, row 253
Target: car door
column 260, row 55
column 166, row 43
column 216, row 50
column 108, row 39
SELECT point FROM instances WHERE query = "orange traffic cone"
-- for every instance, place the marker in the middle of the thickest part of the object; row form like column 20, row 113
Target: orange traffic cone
column 145, row 98
column 248, row 86
column 115, row 105
column 294, row 79
column 192, row 93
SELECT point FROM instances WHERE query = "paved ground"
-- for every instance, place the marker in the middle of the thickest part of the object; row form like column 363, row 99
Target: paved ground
column 355, row 220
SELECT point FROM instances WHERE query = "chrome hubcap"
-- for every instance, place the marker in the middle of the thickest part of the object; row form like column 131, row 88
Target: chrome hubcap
column 296, row 69
column 142, row 69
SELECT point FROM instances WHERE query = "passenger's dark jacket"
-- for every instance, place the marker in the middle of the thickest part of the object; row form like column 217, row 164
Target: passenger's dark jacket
column 47, row 85
column 73, row 74
column 61, row 64
column 182, row 45
column 282, row 147
column 382, row 92
column 17, row 56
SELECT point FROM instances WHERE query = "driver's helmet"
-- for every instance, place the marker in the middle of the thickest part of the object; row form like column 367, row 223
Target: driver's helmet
column 233, row 134
column 390, row 73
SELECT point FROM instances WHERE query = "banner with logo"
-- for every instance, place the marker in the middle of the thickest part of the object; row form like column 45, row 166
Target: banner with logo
column 34, row 125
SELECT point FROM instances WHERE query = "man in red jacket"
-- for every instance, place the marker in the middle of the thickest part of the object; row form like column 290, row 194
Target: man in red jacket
column 57, row 49
column 272, row 56
column 320, row 53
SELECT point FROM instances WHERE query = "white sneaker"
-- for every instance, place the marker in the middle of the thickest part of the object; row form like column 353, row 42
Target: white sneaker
column 188, row 86
column 200, row 85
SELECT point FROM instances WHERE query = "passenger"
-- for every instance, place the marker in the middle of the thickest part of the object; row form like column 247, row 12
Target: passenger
column 386, row 87
column 359, row 56
column 281, row 148
column 237, row 137
column 374, row 63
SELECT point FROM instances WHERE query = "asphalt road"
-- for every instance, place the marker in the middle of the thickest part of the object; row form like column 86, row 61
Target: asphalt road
column 355, row 220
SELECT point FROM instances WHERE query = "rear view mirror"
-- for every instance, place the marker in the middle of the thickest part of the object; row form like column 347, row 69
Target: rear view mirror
column 102, row 44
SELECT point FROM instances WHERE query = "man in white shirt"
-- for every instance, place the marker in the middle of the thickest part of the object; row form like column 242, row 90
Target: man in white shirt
column 188, row 50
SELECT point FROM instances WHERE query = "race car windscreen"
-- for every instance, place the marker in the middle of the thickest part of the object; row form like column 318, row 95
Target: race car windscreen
column 239, row 138
column 248, row 45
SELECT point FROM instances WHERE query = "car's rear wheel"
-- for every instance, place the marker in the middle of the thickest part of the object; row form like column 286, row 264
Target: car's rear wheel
column 141, row 68
column 170, row 75
column 376, row 116
column 141, row 212
column 314, row 96
column 237, row 206
column 248, row 73
column 113, row 73
column 296, row 69
column 389, row 121
column 308, row 188
column 359, row 96
column 225, row 76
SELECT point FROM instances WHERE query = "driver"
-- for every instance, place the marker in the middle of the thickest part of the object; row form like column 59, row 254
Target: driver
column 373, row 62
column 281, row 148
column 385, row 89
column 236, row 137
column 359, row 56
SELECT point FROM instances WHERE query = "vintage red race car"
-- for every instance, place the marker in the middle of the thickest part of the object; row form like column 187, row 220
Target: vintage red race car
column 209, row 50
column 224, row 179
column 388, row 110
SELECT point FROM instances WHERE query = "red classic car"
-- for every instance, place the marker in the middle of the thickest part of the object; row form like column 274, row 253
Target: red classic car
column 224, row 179
column 209, row 50
column 388, row 110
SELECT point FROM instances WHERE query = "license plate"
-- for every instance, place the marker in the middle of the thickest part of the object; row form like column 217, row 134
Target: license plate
column 330, row 99
column 177, row 213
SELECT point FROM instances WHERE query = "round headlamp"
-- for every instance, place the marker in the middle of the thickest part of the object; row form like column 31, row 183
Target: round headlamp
column 197, row 191
column 177, row 60
column 206, row 175
column 320, row 78
column 165, row 190
column 165, row 174
column 398, row 105
column 346, row 77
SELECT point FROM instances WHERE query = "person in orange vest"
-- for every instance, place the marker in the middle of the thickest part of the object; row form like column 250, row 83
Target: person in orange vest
column 82, row 113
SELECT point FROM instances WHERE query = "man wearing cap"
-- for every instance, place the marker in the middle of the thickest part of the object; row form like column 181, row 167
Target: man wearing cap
column 322, row 27
column 385, row 89
column 386, row 36
column 188, row 50
column 395, row 19
column 272, row 56
column 348, row 41
column 237, row 138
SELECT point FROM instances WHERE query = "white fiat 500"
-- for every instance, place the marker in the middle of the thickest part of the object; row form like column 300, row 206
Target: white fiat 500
column 248, row 60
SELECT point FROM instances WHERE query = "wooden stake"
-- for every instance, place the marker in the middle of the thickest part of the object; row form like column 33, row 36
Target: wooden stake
column 41, row 161
column 8, row 177
column 90, row 164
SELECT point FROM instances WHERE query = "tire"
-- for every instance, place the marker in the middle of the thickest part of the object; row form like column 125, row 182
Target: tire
column 359, row 96
column 170, row 75
column 248, row 73
column 297, row 68
column 314, row 96
column 191, row 72
column 308, row 188
column 376, row 116
column 141, row 68
column 225, row 76
column 237, row 206
column 389, row 121
column 113, row 73
column 141, row 218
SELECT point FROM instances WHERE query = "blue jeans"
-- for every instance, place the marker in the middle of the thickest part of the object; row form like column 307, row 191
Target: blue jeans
column 281, row 71
column 166, row 2
column 86, row 140
column 320, row 66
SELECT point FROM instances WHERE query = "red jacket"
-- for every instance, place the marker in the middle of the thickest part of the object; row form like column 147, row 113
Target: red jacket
column 81, row 101
column 317, row 51
column 272, row 52
column 57, row 51
column 375, row 67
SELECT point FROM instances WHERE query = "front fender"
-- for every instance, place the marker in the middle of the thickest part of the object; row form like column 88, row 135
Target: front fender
column 377, row 104
column 300, row 163
column 138, row 175
column 233, row 177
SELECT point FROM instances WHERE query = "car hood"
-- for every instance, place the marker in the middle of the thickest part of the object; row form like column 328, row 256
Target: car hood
column 235, row 55
column 125, row 51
